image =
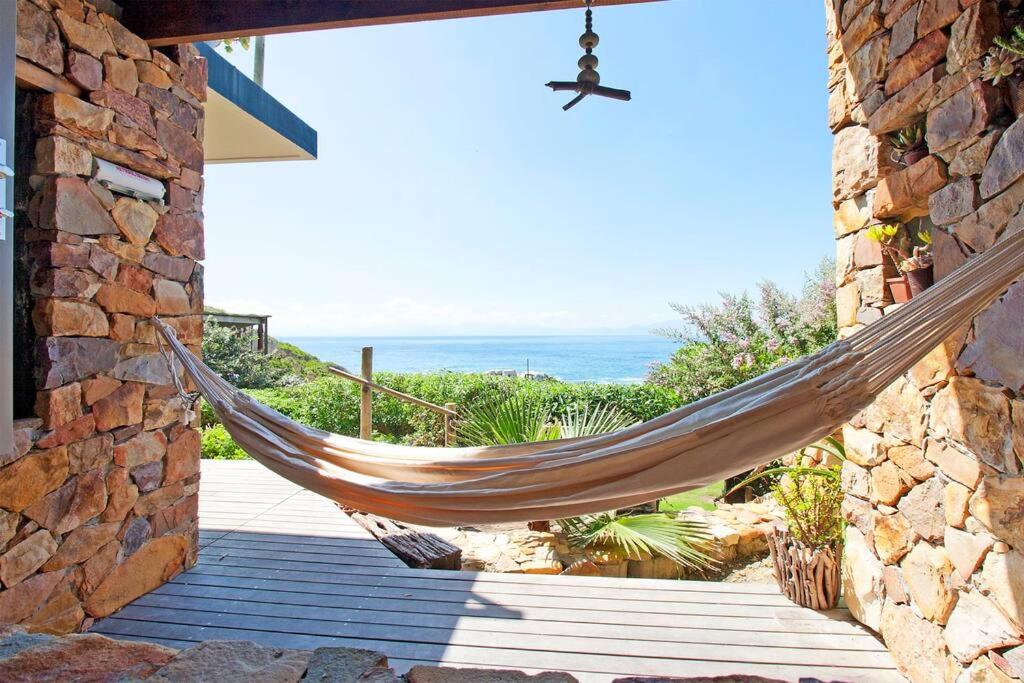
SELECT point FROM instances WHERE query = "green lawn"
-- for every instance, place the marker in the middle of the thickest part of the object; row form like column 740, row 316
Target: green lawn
column 702, row 497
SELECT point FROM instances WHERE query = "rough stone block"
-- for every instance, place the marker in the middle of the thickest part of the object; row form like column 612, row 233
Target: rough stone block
column 68, row 318
column 863, row 584
column 936, row 14
column 56, row 155
column 972, row 34
column 26, row 557
column 997, row 505
column 976, row 416
column 917, row 645
column 963, row 116
column 1006, row 164
column 120, row 299
column 893, row 537
column 76, row 114
column 953, row 202
column 181, row 235
column 977, row 626
column 37, row 38
column 924, row 55
column 59, row 406
column 32, row 477
column 84, row 70
column 126, row 42
column 88, row 657
column 922, row 507
column 82, row 36
column 906, row 106
column 121, row 407
column 69, row 205
column 121, row 74
column 928, row 575
column 153, row 564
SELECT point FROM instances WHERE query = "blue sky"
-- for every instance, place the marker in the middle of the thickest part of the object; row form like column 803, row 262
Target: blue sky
column 452, row 195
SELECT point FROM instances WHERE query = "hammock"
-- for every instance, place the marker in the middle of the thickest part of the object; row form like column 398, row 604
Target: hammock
column 694, row 446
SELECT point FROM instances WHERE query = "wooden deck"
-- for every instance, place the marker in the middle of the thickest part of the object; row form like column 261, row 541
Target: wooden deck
column 280, row 565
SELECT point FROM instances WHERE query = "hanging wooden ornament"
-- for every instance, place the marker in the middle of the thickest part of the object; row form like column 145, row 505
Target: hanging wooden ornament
column 588, row 82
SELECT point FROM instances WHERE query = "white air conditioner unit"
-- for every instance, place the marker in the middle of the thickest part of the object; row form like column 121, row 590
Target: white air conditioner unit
column 126, row 181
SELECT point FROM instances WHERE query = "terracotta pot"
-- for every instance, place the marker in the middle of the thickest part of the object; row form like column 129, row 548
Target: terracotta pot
column 920, row 280
column 912, row 156
column 899, row 287
column 810, row 577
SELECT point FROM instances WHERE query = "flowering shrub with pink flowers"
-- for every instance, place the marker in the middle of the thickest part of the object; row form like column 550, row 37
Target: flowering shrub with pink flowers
column 726, row 344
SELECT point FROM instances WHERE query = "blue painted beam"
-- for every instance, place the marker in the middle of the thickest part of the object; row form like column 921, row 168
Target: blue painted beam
column 239, row 89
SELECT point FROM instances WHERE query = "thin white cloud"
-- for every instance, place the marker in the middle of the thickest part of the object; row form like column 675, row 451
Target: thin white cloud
column 409, row 316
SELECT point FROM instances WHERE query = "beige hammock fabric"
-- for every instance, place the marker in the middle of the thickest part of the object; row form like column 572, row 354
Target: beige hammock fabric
column 693, row 446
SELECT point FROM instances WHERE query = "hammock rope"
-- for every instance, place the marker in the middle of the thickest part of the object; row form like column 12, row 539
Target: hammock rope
column 698, row 444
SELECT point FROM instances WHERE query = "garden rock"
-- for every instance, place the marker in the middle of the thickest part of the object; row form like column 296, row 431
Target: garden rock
column 85, row 658
column 436, row 674
column 239, row 660
column 330, row 664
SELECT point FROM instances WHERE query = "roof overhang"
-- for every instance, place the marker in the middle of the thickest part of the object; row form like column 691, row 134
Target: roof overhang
column 167, row 22
column 244, row 123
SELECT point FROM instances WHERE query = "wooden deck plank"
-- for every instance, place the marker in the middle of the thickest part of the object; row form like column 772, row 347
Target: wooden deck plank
column 532, row 642
column 292, row 592
column 358, row 575
column 282, row 566
column 373, row 612
column 218, row 555
column 485, row 656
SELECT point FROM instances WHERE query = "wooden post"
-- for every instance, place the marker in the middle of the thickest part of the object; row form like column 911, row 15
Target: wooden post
column 366, row 396
column 449, row 425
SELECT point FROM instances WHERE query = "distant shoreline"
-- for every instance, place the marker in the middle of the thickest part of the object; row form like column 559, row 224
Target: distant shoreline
column 618, row 359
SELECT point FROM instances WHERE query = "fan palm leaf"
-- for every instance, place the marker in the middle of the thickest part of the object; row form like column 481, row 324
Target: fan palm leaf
column 680, row 540
column 511, row 420
column 593, row 420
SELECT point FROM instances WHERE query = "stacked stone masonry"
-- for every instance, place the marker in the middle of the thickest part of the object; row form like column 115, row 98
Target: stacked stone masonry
column 98, row 501
column 934, row 493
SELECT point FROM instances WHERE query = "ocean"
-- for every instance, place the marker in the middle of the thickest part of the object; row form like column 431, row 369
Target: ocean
column 620, row 359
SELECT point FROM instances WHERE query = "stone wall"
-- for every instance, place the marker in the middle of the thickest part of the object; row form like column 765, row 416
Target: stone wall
column 98, row 502
column 934, row 493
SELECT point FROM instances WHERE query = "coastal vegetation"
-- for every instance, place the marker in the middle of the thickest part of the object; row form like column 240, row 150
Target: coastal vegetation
column 723, row 345
column 300, row 386
column 720, row 346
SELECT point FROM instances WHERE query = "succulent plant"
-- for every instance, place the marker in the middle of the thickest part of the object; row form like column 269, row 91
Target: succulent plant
column 884, row 233
column 1015, row 43
column 999, row 64
column 908, row 138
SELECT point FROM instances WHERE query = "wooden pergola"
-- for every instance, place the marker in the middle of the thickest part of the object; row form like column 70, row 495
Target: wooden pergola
column 168, row 22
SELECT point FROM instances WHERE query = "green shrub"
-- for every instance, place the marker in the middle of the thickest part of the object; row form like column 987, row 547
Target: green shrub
column 230, row 354
column 218, row 445
column 332, row 404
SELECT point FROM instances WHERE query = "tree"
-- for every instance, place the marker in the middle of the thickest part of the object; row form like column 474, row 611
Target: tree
column 741, row 338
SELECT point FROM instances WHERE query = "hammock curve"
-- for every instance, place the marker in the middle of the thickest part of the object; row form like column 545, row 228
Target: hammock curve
column 698, row 444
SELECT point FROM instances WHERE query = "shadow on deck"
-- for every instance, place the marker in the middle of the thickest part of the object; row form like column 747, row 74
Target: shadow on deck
column 281, row 566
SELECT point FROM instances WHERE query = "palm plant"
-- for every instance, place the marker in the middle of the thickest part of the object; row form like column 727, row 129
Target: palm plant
column 592, row 420
column 511, row 420
column 520, row 419
column 641, row 536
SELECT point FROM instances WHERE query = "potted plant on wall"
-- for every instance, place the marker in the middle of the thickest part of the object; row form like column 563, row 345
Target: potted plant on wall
column 908, row 144
column 914, row 268
column 918, row 268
